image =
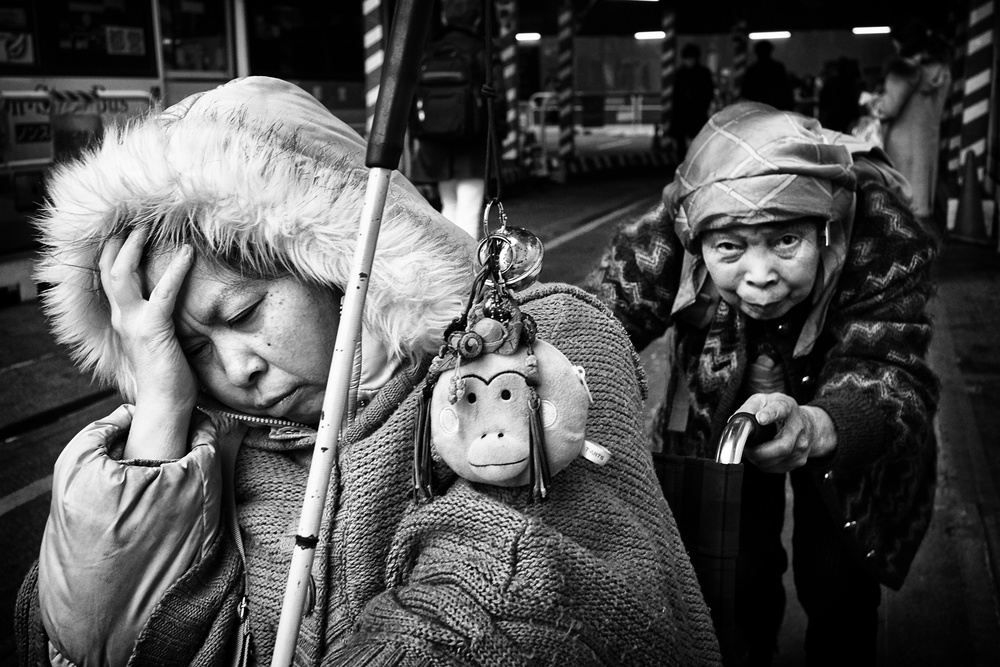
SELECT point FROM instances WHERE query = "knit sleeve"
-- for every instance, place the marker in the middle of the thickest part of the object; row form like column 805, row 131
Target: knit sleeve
column 638, row 276
column 594, row 575
column 876, row 383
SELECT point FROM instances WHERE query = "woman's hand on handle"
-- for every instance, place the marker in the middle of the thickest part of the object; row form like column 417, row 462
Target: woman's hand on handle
column 804, row 431
column 166, row 388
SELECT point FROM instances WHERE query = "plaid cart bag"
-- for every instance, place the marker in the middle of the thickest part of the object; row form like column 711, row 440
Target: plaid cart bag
column 704, row 496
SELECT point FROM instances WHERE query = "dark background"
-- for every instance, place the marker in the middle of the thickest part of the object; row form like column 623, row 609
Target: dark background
column 612, row 17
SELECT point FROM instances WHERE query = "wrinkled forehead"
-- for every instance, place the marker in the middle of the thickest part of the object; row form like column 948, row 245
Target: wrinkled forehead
column 204, row 275
column 227, row 264
column 803, row 226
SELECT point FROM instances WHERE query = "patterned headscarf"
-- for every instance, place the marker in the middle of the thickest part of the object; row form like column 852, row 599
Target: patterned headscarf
column 752, row 164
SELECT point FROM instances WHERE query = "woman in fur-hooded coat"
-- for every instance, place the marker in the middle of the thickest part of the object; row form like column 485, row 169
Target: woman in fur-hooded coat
column 182, row 561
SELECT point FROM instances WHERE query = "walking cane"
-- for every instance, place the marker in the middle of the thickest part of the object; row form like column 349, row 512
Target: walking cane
column 385, row 147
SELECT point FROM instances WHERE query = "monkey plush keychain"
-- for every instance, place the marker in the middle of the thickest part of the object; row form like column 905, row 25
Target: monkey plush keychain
column 502, row 406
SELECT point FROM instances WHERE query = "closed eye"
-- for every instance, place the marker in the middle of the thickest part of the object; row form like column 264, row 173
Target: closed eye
column 244, row 315
column 196, row 350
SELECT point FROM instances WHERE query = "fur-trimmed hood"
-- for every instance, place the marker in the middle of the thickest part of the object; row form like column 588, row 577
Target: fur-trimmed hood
column 254, row 167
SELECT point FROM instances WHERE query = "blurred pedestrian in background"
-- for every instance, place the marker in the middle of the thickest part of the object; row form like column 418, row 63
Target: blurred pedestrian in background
column 449, row 118
column 839, row 106
column 917, row 82
column 804, row 95
column 795, row 278
column 767, row 80
column 694, row 90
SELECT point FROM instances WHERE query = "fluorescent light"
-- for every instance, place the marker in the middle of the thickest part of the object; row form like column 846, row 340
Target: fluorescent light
column 872, row 30
column 774, row 34
column 527, row 36
column 650, row 34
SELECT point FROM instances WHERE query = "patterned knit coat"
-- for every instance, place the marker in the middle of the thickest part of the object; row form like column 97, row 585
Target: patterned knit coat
column 868, row 369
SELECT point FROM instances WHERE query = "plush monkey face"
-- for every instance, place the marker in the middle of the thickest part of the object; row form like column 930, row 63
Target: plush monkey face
column 484, row 435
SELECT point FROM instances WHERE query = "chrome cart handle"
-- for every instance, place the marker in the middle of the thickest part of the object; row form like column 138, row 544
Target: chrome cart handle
column 742, row 429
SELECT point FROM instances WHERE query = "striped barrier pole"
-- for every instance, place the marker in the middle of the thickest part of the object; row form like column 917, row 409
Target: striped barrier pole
column 507, row 20
column 668, row 68
column 739, row 37
column 979, row 55
column 374, row 55
column 951, row 122
column 565, row 31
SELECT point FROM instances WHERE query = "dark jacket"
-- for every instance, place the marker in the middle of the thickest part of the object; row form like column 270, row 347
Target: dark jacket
column 694, row 89
column 767, row 81
column 868, row 369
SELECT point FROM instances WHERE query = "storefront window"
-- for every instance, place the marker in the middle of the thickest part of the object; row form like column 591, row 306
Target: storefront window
column 195, row 38
column 303, row 39
column 96, row 38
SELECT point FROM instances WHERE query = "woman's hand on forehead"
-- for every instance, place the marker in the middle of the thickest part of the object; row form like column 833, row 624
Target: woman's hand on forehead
column 165, row 389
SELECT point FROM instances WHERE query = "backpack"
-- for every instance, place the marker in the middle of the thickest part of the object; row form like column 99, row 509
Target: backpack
column 446, row 103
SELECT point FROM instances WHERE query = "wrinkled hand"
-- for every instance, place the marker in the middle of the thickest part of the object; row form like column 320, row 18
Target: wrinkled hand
column 803, row 431
column 166, row 388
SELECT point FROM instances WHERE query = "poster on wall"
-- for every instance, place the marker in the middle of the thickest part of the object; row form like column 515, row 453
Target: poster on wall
column 17, row 39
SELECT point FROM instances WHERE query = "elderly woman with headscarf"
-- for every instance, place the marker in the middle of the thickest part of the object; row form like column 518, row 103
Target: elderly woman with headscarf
column 795, row 278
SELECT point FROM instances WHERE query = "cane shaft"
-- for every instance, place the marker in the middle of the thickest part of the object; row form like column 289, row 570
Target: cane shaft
column 385, row 142
column 334, row 407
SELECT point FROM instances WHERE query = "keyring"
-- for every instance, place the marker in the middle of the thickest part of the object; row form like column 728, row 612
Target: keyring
column 486, row 216
column 513, row 255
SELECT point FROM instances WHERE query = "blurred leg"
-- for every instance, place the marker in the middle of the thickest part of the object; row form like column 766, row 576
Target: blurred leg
column 469, row 215
column 447, row 190
column 840, row 599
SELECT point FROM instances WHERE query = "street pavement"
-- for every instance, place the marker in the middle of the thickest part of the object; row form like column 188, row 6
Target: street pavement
column 946, row 613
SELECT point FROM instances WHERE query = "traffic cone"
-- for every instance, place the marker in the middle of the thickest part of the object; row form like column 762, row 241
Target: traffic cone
column 970, row 222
